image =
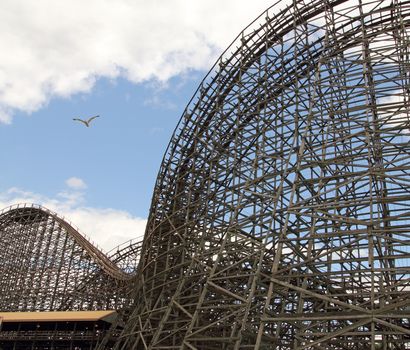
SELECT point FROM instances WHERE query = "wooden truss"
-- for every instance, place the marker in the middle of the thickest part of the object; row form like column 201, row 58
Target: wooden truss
column 47, row 265
column 280, row 216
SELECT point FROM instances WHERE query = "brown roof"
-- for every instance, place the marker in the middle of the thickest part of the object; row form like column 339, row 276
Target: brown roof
column 58, row 316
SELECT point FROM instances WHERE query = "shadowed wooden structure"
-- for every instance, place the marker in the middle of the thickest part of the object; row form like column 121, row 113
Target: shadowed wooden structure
column 57, row 330
column 280, row 216
column 47, row 265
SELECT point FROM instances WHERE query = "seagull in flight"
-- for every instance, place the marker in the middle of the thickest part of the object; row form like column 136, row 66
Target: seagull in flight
column 86, row 122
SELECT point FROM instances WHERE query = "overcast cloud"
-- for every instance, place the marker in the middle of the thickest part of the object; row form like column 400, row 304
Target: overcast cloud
column 54, row 48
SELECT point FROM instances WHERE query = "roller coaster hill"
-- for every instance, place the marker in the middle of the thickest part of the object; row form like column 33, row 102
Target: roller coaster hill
column 280, row 218
column 57, row 289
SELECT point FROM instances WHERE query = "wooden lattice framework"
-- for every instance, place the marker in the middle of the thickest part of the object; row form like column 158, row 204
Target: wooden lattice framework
column 47, row 265
column 280, row 216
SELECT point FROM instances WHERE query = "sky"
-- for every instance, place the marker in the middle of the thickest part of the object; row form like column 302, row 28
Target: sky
column 136, row 64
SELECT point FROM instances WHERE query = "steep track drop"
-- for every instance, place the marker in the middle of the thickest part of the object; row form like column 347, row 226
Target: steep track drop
column 46, row 264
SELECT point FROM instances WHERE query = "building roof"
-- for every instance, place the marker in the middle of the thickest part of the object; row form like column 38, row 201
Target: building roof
column 58, row 316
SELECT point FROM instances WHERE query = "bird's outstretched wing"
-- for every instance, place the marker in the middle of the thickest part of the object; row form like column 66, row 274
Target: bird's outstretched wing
column 92, row 118
column 80, row 120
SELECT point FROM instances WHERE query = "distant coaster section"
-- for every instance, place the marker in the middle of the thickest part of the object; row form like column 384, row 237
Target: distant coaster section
column 48, row 265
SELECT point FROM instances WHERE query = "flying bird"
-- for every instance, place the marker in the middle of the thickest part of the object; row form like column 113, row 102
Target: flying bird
column 86, row 122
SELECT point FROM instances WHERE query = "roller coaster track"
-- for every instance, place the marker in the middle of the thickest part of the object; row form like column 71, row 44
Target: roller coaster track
column 97, row 255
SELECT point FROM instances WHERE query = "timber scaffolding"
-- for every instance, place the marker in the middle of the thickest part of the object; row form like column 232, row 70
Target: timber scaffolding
column 48, row 265
column 280, row 215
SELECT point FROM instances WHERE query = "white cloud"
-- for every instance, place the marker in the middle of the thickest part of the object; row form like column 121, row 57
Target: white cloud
column 107, row 227
column 59, row 48
column 76, row 183
column 53, row 48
